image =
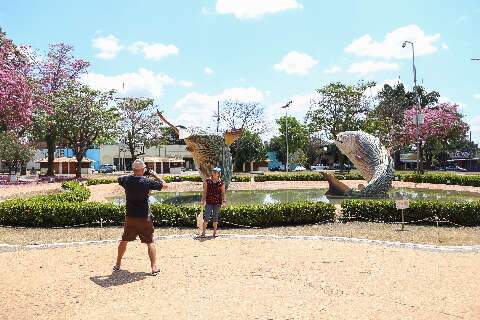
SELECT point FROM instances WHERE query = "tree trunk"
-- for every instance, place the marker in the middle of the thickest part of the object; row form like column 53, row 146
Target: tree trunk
column 78, row 173
column 420, row 163
column 51, row 155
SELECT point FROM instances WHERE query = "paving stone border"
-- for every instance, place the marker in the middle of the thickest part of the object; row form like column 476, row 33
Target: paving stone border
column 389, row 244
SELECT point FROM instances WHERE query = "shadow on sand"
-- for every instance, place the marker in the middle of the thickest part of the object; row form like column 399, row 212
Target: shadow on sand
column 119, row 278
column 203, row 239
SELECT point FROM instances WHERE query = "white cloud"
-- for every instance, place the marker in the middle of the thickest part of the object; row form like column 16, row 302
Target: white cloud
column 248, row 9
column 109, row 46
column 153, row 51
column 367, row 67
column 144, row 83
column 195, row 109
column 332, row 70
column 391, row 46
column 208, row 70
column 476, row 96
column 296, row 63
column 186, row 84
column 444, row 46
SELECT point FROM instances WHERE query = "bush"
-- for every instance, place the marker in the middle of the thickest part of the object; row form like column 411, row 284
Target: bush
column 440, row 178
column 72, row 192
column 308, row 176
column 461, row 213
column 92, row 182
column 36, row 213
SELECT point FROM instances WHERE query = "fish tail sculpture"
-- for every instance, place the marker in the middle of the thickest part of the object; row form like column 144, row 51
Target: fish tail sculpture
column 208, row 151
column 373, row 161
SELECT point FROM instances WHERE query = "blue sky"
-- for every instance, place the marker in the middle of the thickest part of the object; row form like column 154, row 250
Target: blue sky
column 189, row 54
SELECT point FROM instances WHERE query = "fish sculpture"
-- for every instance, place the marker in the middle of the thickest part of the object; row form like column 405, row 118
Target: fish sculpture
column 208, row 151
column 372, row 160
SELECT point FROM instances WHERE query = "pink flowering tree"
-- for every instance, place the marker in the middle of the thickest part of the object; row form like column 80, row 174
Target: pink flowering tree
column 56, row 72
column 442, row 127
column 17, row 89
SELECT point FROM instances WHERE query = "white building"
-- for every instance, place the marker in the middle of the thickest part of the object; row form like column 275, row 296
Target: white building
column 113, row 154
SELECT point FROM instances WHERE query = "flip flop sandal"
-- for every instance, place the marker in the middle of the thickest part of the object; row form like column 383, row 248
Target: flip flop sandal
column 115, row 268
column 155, row 272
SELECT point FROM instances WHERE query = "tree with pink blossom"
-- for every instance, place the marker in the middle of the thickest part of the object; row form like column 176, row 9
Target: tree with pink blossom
column 17, row 89
column 443, row 127
column 56, row 72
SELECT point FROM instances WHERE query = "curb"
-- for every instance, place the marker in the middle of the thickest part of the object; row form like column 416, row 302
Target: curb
column 388, row 244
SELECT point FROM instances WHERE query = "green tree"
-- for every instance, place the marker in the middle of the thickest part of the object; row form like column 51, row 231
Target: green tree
column 297, row 137
column 85, row 117
column 248, row 148
column 139, row 124
column 339, row 107
column 14, row 151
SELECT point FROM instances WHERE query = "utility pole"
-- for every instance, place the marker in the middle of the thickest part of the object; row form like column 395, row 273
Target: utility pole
column 418, row 117
column 218, row 115
column 286, row 132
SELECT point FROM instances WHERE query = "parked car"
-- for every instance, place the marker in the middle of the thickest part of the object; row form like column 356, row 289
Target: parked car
column 452, row 167
column 107, row 168
column 299, row 168
column 319, row 167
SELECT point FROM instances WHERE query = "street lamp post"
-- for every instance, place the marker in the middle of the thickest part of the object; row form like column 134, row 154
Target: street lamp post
column 418, row 119
column 286, row 132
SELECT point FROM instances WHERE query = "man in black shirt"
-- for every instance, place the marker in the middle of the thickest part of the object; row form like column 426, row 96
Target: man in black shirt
column 138, row 220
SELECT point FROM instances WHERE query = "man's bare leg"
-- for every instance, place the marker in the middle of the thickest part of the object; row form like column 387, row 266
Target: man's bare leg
column 152, row 253
column 204, row 228
column 215, row 227
column 122, row 247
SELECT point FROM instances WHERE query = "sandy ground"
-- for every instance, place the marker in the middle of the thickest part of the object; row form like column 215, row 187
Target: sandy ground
column 102, row 192
column 17, row 191
column 442, row 236
column 240, row 279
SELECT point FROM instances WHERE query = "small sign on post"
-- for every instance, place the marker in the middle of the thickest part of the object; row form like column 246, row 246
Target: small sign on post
column 402, row 205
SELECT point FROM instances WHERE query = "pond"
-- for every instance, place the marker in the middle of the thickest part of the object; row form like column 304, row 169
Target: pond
column 279, row 196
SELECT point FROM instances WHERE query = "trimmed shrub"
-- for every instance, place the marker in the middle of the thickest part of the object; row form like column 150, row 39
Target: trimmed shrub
column 461, row 213
column 440, row 178
column 35, row 213
column 308, row 176
column 95, row 181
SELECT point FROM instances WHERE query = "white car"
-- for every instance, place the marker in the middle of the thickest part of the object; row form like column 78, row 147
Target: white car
column 319, row 167
column 299, row 168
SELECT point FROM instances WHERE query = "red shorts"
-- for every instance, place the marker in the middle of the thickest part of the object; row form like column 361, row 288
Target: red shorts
column 141, row 227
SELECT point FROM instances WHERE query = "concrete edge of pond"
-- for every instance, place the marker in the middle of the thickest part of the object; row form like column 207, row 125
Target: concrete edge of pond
column 389, row 244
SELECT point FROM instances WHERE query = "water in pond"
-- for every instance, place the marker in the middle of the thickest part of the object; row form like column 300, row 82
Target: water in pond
column 279, row 196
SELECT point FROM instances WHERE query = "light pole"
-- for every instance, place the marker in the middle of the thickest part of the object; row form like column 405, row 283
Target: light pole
column 418, row 119
column 286, row 131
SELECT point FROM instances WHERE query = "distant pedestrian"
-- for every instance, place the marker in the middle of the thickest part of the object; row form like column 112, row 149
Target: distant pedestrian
column 138, row 220
column 213, row 198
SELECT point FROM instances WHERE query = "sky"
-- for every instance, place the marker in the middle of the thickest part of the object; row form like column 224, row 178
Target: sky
column 188, row 55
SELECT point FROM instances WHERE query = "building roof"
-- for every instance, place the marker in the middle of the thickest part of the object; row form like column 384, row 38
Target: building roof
column 160, row 159
column 65, row 159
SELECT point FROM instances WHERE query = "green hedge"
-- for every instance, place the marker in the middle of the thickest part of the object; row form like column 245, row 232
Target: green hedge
column 462, row 213
column 440, row 178
column 72, row 192
column 95, row 181
column 60, row 214
column 308, row 176
column 168, row 179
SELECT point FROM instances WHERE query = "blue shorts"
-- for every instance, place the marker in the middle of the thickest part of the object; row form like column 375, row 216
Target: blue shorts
column 211, row 209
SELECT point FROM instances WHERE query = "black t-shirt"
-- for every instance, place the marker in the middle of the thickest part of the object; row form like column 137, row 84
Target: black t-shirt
column 137, row 189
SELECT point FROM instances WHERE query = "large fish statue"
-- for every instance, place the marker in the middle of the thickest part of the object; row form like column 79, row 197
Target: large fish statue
column 373, row 161
column 208, row 151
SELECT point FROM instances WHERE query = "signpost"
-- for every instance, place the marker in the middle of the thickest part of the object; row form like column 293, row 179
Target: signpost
column 402, row 205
